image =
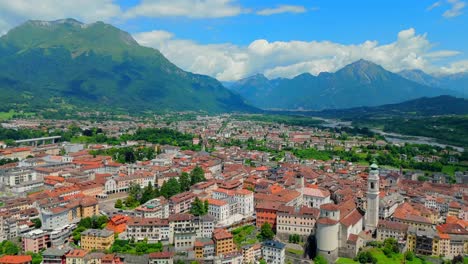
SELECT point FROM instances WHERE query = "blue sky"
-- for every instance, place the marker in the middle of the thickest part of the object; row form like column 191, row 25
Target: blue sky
column 232, row 39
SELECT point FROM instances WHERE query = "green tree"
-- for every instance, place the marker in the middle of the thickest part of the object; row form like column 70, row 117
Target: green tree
column 37, row 222
column 148, row 193
column 198, row 207
column 207, row 206
column 118, row 204
column 170, row 188
column 409, row 255
column 9, row 248
column 36, row 257
column 266, row 232
column 197, row 175
column 184, row 181
column 262, row 261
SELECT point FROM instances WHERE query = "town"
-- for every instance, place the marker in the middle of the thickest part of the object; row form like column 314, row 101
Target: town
column 225, row 189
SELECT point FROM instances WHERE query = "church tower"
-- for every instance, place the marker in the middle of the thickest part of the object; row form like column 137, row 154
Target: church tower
column 372, row 213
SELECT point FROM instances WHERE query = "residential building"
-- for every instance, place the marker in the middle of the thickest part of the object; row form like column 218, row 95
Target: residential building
column 219, row 209
column 161, row 258
column 95, row 239
column 390, row 229
column 204, row 248
column 152, row 229
column 76, row 256
column 292, row 220
column 155, row 208
column 273, row 252
column 54, row 256
column 224, row 242
column 35, row 241
column 181, row 203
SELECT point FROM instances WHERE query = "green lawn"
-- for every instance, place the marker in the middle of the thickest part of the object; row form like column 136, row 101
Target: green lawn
column 395, row 259
column 345, row 261
column 245, row 235
column 11, row 113
column 297, row 252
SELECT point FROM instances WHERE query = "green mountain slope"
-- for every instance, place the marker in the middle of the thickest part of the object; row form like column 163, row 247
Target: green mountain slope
column 361, row 83
column 68, row 64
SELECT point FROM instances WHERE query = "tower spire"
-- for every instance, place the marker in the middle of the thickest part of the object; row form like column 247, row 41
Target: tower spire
column 372, row 212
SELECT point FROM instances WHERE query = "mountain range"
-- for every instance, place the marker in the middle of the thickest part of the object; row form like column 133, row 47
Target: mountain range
column 457, row 82
column 361, row 83
column 70, row 65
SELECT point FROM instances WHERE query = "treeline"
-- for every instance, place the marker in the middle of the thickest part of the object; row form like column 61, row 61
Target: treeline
column 127, row 154
column 171, row 187
column 135, row 248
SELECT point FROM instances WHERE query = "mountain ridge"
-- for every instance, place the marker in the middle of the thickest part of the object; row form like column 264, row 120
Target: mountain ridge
column 68, row 64
column 361, row 83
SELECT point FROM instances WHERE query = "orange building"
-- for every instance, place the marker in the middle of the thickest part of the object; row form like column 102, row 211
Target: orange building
column 118, row 223
column 224, row 242
column 266, row 212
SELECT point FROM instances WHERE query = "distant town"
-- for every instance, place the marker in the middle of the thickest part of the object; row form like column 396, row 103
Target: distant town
column 225, row 189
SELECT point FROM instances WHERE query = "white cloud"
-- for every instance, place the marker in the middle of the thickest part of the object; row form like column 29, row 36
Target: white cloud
column 456, row 67
column 456, row 7
column 434, row 5
column 288, row 59
column 282, row 9
column 185, row 8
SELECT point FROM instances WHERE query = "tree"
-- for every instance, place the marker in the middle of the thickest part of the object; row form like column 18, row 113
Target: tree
column 391, row 244
column 319, row 259
column 198, row 207
column 9, row 248
column 170, row 188
column 366, row 257
column 197, row 175
column 184, row 181
column 148, row 193
column 37, row 222
column 457, row 259
column 409, row 255
column 118, row 204
column 262, row 261
column 207, row 206
column 266, row 232
column 36, row 257
column 135, row 191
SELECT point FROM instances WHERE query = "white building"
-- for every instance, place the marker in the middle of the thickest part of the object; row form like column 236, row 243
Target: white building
column 240, row 201
column 219, row 209
column 54, row 218
column 153, row 229
column 314, row 197
column 273, row 252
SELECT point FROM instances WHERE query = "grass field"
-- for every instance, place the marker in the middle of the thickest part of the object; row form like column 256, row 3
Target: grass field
column 295, row 251
column 245, row 235
column 381, row 258
column 11, row 113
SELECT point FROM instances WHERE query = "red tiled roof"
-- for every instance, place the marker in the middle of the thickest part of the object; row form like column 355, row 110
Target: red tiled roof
column 15, row 259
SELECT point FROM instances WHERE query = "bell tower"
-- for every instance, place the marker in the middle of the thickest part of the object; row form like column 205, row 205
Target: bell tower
column 372, row 213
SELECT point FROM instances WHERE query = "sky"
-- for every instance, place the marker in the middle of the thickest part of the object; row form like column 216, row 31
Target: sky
column 234, row 39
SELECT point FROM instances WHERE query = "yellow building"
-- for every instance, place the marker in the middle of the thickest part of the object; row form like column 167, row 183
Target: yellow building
column 86, row 207
column 97, row 239
column 224, row 242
